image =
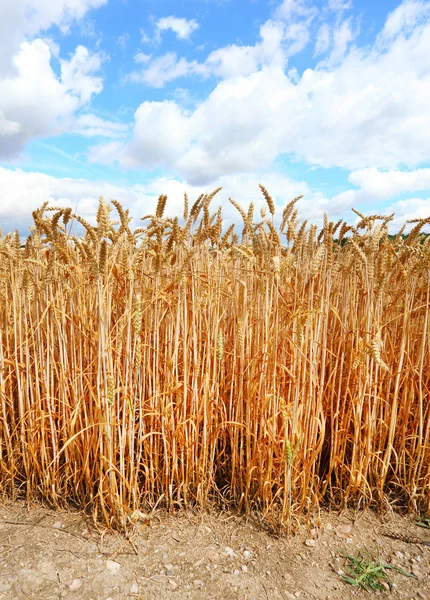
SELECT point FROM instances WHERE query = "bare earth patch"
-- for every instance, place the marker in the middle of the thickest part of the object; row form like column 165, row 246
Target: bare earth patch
column 52, row 554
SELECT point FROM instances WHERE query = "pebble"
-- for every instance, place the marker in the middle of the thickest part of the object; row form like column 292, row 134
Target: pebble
column 230, row 552
column 57, row 525
column 311, row 543
column 75, row 585
column 134, row 588
column 198, row 583
column 244, row 568
column 247, row 555
column 344, row 529
column 173, row 584
column 112, row 565
column 399, row 554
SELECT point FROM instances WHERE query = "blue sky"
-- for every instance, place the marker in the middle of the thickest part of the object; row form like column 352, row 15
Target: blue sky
column 133, row 98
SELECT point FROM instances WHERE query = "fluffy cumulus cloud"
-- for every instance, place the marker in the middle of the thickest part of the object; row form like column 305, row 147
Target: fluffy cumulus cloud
column 386, row 184
column 181, row 27
column 78, row 74
column 28, row 82
column 404, row 210
column 359, row 108
column 22, row 19
column 25, row 96
column 374, row 185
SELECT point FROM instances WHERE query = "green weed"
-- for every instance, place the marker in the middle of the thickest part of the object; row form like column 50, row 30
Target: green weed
column 369, row 574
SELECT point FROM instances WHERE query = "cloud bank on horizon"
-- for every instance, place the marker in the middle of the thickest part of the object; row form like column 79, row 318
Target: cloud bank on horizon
column 325, row 98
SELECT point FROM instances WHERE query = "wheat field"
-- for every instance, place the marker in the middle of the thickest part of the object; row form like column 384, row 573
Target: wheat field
column 270, row 368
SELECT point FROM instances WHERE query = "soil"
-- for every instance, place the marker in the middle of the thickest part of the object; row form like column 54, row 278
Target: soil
column 50, row 554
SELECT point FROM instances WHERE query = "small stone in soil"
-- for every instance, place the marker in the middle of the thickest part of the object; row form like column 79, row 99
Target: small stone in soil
column 75, row 585
column 344, row 529
column 112, row 566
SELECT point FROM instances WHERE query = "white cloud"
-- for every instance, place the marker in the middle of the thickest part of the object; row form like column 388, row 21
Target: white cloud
column 339, row 5
column 105, row 154
column 368, row 108
column 164, row 69
column 289, row 9
column 28, row 18
column 405, row 18
column 386, row 184
column 296, row 37
column 123, row 40
column 140, row 58
column 181, row 27
column 404, row 210
column 90, row 125
column 145, row 38
column 277, row 43
column 35, row 103
column 164, row 141
column 40, row 15
column 342, row 36
column 323, row 39
column 375, row 185
column 8, row 127
column 281, row 37
column 77, row 74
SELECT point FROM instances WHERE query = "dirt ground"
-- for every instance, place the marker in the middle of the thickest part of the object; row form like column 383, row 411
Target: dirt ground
column 51, row 554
